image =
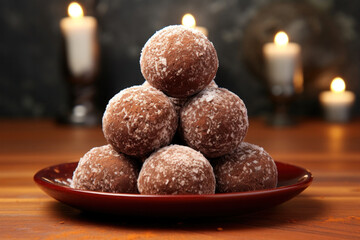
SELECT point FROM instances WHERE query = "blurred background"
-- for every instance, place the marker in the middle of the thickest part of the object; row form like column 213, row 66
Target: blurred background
column 33, row 79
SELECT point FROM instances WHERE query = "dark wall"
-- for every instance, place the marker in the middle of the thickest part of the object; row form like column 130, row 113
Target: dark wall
column 32, row 83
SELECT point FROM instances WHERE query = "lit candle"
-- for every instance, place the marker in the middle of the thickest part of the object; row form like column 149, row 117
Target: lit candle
column 337, row 103
column 283, row 65
column 188, row 20
column 80, row 39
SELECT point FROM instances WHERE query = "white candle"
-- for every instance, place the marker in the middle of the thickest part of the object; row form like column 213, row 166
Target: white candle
column 188, row 20
column 80, row 39
column 337, row 103
column 283, row 65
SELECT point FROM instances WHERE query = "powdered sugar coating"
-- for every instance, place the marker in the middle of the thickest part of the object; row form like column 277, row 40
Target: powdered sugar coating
column 248, row 168
column 103, row 169
column 212, row 84
column 139, row 120
column 176, row 169
column 178, row 60
column 214, row 122
column 180, row 102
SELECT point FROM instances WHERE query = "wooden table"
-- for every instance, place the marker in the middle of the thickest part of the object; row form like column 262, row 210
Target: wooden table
column 328, row 209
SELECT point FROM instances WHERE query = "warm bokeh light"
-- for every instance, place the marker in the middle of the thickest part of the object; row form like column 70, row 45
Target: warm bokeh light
column 281, row 39
column 75, row 10
column 188, row 20
column 337, row 85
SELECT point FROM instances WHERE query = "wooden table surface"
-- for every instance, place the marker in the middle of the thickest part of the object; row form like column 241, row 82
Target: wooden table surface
column 328, row 209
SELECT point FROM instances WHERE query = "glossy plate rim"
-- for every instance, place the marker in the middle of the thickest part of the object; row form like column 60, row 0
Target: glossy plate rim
column 122, row 203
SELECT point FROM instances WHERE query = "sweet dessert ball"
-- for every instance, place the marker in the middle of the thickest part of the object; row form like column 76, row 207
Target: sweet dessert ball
column 103, row 169
column 179, row 61
column 214, row 122
column 176, row 169
column 139, row 120
column 248, row 168
column 177, row 102
column 180, row 102
column 212, row 84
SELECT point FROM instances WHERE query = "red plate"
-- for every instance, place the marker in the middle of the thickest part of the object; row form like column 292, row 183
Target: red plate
column 55, row 181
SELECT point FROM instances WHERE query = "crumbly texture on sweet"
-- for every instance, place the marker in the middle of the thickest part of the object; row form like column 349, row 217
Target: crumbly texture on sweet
column 214, row 122
column 139, row 120
column 176, row 169
column 180, row 102
column 179, row 61
column 103, row 169
column 212, row 84
column 248, row 168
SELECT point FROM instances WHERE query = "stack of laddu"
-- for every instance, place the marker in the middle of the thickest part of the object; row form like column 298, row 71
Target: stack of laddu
column 178, row 133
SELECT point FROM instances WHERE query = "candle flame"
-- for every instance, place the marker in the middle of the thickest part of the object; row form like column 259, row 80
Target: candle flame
column 188, row 20
column 75, row 10
column 281, row 39
column 337, row 85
